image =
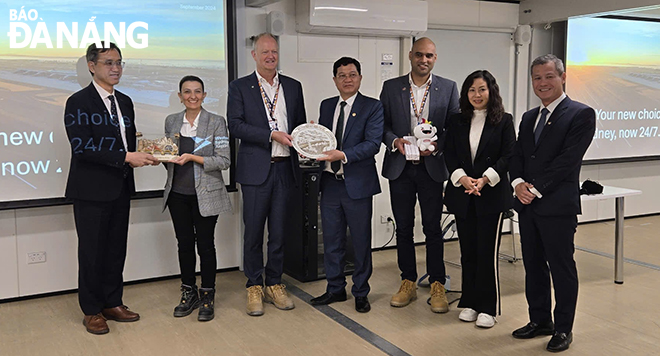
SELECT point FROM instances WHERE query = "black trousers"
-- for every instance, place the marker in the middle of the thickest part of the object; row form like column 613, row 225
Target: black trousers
column 338, row 211
column 267, row 201
column 191, row 227
column 415, row 183
column 102, row 229
column 548, row 249
column 479, row 238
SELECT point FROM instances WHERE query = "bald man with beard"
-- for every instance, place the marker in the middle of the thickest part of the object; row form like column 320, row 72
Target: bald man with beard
column 416, row 98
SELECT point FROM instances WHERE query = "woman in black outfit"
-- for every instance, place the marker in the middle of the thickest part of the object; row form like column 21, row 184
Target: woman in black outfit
column 479, row 144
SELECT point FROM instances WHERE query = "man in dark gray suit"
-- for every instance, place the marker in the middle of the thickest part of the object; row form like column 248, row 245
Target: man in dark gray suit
column 545, row 173
column 263, row 108
column 100, row 125
column 409, row 100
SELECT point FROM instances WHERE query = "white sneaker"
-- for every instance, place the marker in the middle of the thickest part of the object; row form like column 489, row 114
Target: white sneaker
column 468, row 315
column 485, row 321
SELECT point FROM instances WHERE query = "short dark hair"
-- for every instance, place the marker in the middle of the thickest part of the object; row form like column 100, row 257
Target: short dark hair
column 190, row 78
column 494, row 108
column 344, row 61
column 93, row 51
column 547, row 58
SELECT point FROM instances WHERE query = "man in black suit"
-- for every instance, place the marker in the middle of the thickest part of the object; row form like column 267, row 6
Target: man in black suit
column 545, row 173
column 262, row 110
column 100, row 125
column 348, row 182
column 410, row 100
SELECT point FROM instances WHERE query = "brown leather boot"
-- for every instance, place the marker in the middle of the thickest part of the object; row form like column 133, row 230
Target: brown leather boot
column 96, row 324
column 406, row 294
column 439, row 302
column 255, row 301
column 277, row 295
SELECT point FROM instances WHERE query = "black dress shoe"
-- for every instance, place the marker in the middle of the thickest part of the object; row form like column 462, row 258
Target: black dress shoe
column 328, row 298
column 362, row 304
column 559, row 342
column 533, row 329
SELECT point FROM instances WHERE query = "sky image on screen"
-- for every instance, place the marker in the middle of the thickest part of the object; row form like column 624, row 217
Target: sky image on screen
column 42, row 48
column 613, row 65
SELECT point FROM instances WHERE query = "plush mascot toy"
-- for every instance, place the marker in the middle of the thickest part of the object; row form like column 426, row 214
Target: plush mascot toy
column 425, row 134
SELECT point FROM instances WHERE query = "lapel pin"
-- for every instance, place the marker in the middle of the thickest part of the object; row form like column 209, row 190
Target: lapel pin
column 404, row 88
column 353, row 114
column 549, row 122
column 252, row 87
column 436, row 88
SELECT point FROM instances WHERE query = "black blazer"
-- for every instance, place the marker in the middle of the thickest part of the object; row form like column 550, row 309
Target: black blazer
column 247, row 120
column 494, row 150
column 97, row 153
column 362, row 136
column 395, row 96
column 553, row 165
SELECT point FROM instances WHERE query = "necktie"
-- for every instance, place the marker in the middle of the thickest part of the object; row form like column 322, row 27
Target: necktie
column 539, row 126
column 114, row 118
column 339, row 135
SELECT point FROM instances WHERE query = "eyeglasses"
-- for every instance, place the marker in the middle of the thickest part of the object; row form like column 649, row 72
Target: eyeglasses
column 110, row 63
column 342, row 77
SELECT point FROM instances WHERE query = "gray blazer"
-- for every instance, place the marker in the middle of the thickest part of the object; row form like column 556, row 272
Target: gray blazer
column 395, row 96
column 212, row 142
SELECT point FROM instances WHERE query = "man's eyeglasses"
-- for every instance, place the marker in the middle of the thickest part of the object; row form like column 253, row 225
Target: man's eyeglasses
column 110, row 63
column 342, row 77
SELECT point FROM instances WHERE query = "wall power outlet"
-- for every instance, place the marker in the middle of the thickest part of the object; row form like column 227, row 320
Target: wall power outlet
column 36, row 257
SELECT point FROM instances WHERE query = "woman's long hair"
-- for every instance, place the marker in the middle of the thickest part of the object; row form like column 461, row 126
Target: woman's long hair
column 494, row 108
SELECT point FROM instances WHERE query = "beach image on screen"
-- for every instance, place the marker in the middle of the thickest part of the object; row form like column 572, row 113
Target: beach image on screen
column 42, row 47
column 613, row 65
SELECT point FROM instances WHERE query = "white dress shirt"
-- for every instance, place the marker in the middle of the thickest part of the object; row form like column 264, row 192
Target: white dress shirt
column 187, row 129
column 278, row 149
column 551, row 108
column 104, row 96
column 476, row 129
column 347, row 112
column 418, row 94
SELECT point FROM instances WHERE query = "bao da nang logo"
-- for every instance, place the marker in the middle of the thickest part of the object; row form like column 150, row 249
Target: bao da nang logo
column 27, row 29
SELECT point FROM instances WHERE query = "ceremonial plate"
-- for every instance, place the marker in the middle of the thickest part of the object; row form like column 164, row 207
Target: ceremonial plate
column 311, row 140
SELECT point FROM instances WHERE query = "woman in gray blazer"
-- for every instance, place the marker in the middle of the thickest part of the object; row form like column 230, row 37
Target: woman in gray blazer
column 195, row 193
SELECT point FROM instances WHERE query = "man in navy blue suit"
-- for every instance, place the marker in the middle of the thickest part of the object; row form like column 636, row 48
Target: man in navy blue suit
column 262, row 110
column 545, row 173
column 408, row 101
column 348, row 183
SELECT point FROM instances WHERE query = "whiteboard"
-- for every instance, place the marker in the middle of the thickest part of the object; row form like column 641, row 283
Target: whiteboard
column 461, row 52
